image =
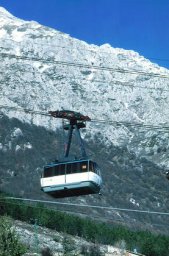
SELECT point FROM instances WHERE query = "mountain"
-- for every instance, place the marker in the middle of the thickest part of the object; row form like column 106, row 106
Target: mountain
column 43, row 69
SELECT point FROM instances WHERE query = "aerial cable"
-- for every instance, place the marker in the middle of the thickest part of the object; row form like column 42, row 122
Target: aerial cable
column 104, row 82
column 128, row 124
column 95, row 51
column 29, row 111
column 90, row 206
column 81, row 65
column 77, row 78
column 113, row 83
column 101, row 121
column 81, row 213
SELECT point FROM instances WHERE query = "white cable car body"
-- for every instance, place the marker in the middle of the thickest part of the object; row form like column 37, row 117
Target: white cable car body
column 71, row 178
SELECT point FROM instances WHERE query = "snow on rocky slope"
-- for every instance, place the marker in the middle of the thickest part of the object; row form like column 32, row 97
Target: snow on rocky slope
column 110, row 83
column 44, row 69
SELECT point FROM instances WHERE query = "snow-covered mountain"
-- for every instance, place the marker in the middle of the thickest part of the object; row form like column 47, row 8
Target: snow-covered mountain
column 44, row 69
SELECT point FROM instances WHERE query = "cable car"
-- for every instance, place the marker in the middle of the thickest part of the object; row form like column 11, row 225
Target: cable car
column 70, row 177
column 167, row 175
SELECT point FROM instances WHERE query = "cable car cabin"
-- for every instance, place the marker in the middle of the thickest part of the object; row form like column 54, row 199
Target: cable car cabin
column 72, row 178
column 167, row 175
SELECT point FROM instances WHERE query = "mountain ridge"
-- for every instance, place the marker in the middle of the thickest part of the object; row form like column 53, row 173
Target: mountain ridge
column 124, row 152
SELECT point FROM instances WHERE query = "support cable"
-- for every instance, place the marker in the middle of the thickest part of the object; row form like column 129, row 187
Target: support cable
column 89, row 206
column 81, row 65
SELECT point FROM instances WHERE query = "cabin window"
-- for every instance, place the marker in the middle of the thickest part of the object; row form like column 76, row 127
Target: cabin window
column 83, row 166
column 91, row 167
column 61, row 169
column 76, row 167
column 56, row 170
column 69, row 168
column 48, row 172
column 96, row 168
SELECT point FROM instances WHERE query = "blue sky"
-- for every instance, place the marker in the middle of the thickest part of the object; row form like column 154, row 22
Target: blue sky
column 139, row 25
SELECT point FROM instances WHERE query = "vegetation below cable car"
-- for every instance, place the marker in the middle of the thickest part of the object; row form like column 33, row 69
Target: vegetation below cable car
column 9, row 241
column 146, row 243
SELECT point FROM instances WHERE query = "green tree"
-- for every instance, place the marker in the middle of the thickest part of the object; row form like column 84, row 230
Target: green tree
column 9, row 242
column 95, row 250
column 68, row 245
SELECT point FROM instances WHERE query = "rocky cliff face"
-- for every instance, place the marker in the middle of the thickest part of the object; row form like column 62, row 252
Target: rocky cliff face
column 43, row 69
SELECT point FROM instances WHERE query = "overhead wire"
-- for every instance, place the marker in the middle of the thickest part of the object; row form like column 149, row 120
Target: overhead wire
column 114, row 83
column 3, row 200
column 107, row 82
column 129, row 124
column 90, row 206
column 101, row 121
column 94, row 120
column 94, row 80
column 82, row 65
column 96, row 49
column 29, row 111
